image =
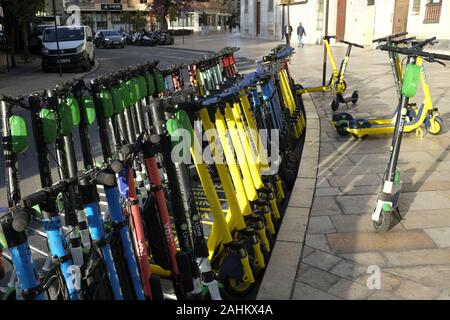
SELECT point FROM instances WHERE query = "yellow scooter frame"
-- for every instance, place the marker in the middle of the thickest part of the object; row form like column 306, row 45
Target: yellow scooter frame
column 425, row 114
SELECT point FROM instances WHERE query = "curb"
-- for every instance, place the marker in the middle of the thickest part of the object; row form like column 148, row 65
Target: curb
column 96, row 66
column 279, row 278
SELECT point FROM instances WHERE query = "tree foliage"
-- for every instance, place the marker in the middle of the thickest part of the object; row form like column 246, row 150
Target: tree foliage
column 163, row 9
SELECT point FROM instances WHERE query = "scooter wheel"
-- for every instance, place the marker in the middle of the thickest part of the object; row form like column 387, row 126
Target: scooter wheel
column 355, row 97
column 386, row 220
column 342, row 130
column 435, row 127
column 334, row 104
column 237, row 288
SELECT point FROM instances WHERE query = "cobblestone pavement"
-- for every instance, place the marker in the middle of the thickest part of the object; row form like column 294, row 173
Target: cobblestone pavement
column 340, row 242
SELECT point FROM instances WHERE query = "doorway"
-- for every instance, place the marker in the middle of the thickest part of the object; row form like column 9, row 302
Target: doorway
column 400, row 21
column 340, row 20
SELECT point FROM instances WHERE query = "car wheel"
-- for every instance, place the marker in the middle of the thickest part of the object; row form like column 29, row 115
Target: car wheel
column 87, row 65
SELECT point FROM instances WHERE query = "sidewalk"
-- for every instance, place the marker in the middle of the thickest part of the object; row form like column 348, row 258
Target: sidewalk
column 327, row 241
column 340, row 243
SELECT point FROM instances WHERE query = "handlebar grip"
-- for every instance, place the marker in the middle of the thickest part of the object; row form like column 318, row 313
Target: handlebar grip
column 116, row 166
column 125, row 151
column 105, row 178
column 439, row 56
column 37, row 197
column 21, row 219
column 329, row 37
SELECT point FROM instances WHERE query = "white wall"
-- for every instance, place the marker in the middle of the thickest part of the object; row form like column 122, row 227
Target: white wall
column 360, row 19
column 384, row 15
column 307, row 15
column 426, row 30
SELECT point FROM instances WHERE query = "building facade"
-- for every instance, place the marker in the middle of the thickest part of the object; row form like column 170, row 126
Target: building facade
column 109, row 14
column 106, row 14
column 358, row 21
column 205, row 14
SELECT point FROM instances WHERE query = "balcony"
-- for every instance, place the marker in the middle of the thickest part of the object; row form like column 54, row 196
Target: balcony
column 432, row 12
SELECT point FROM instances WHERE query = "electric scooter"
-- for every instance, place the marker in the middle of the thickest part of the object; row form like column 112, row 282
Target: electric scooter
column 336, row 84
column 426, row 114
column 386, row 209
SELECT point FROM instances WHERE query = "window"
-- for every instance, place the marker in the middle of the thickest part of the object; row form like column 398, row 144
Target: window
column 433, row 11
column 370, row 2
column 416, row 7
column 319, row 19
column 245, row 6
column 270, row 6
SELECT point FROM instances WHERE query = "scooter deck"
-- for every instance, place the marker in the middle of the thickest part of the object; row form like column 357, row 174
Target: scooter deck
column 390, row 128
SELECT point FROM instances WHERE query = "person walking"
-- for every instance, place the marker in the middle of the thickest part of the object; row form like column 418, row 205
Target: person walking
column 300, row 33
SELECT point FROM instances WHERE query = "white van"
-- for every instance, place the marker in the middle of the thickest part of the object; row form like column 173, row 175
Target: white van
column 76, row 47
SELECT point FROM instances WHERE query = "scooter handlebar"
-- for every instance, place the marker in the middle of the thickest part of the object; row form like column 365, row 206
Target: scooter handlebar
column 422, row 44
column 390, row 37
column 402, row 41
column 430, row 56
column 352, row 44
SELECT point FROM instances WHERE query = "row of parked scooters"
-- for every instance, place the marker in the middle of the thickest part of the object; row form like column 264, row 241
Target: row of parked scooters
column 196, row 164
column 149, row 38
column 407, row 116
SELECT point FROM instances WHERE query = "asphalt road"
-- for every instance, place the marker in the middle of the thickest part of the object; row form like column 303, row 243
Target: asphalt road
column 34, row 80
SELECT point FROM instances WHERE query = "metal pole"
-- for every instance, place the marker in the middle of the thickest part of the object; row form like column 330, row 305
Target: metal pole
column 327, row 7
column 182, row 33
column 56, row 38
column 288, row 40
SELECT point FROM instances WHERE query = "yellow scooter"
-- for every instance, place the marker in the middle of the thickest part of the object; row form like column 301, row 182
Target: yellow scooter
column 337, row 84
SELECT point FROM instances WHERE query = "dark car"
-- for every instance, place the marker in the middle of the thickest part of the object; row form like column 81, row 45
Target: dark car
column 108, row 38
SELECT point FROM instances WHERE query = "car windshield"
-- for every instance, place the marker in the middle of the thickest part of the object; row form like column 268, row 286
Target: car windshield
column 64, row 34
column 111, row 33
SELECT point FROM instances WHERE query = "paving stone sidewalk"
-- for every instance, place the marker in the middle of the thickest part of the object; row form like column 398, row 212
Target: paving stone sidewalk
column 340, row 245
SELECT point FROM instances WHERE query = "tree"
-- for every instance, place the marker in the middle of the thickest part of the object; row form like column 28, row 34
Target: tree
column 19, row 14
column 127, row 18
column 163, row 9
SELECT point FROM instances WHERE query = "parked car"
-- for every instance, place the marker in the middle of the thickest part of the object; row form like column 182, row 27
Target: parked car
column 76, row 48
column 108, row 38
